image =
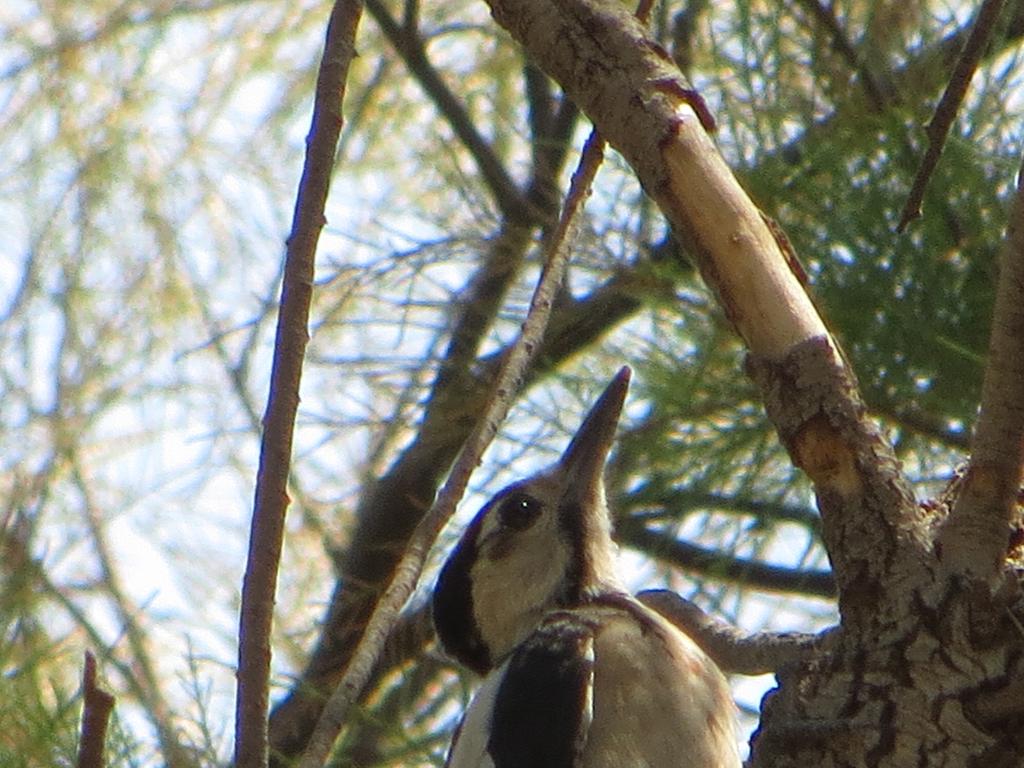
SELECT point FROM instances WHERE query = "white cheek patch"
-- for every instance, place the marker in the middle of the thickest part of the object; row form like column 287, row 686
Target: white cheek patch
column 515, row 578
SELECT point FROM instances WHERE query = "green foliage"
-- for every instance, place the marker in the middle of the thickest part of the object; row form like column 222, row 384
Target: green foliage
column 912, row 309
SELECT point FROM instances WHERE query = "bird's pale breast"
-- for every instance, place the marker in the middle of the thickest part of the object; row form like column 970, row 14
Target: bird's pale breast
column 659, row 701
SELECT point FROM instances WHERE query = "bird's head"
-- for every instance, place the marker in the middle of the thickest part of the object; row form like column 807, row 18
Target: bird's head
column 539, row 544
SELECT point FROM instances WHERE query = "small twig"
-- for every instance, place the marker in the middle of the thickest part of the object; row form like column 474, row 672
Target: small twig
column 643, row 10
column 826, row 16
column 949, row 105
column 731, row 649
column 757, row 575
column 660, row 504
column 97, row 706
column 507, row 385
column 271, row 498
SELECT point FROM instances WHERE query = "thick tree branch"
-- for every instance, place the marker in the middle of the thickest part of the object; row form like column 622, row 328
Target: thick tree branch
column 271, row 498
column 975, row 537
column 628, row 86
column 872, row 526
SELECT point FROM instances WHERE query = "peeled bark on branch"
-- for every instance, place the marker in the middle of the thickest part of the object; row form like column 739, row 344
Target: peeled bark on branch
column 629, row 87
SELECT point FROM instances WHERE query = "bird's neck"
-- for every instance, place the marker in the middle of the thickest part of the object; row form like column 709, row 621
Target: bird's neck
column 511, row 620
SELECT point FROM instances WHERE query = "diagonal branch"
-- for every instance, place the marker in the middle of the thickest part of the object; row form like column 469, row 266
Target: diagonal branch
column 637, row 99
column 628, row 86
column 507, row 386
column 512, row 203
column 271, row 498
column 721, row 566
column 949, row 105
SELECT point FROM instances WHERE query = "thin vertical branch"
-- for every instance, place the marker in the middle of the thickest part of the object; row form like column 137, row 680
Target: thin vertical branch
column 976, row 535
column 271, row 498
column 506, row 387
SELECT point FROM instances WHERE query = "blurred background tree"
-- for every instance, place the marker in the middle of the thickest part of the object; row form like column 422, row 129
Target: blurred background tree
column 151, row 155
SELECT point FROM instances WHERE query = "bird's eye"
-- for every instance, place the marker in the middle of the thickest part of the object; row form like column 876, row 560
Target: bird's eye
column 519, row 511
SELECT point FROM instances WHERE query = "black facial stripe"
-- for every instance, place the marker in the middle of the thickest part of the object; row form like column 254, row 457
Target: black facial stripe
column 570, row 524
column 453, row 605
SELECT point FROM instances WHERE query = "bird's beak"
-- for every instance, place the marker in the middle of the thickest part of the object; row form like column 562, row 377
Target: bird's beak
column 583, row 461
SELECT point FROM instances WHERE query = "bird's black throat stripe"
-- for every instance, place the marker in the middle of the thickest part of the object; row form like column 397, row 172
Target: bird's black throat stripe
column 453, row 606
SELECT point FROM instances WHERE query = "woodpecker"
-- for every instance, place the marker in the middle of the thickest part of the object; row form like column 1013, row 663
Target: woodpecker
column 578, row 673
